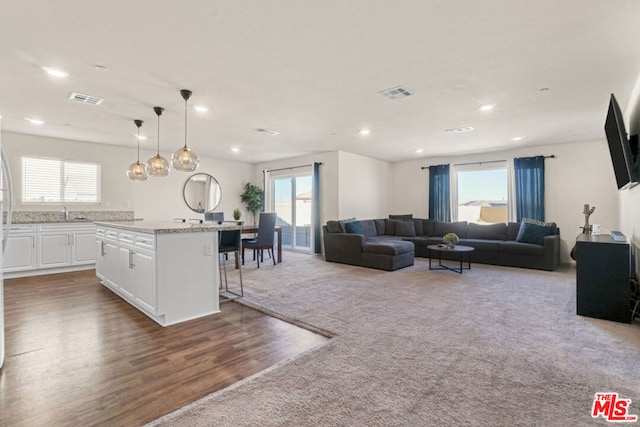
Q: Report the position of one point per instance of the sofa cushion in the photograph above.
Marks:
(442, 228)
(334, 227)
(380, 226)
(551, 225)
(401, 217)
(405, 229)
(369, 227)
(396, 247)
(417, 225)
(353, 227)
(482, 244)
(487, 231)
(390, 226)
(512, 230)
(515, 248)
(533, 233)
(427, 227)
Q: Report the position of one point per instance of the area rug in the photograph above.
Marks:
(495, 346)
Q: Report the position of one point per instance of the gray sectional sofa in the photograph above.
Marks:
(390, 244)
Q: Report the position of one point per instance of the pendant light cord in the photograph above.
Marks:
(158, 134)
(138, 145)
(185, 123)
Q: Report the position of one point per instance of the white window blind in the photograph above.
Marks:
(59, 181)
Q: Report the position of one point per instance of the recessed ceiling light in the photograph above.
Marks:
(235, 149)
(419, 150)
(200, 108)
(34, 121)
(55, 72)
(364, 131)
(487, 107)
(517, 138)
(140, 137)
(459, 130)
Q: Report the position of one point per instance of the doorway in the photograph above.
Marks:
(292, 203)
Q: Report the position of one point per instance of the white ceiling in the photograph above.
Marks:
(312, 70)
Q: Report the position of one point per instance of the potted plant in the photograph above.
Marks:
(253, 198)
(450, 239)
(237, 214)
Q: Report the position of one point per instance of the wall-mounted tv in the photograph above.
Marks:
(624, 152)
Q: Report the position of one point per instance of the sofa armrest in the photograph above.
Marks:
(343, 247)
(551, 245)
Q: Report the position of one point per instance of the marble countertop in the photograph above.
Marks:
(162, 227)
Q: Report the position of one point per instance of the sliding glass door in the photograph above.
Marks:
(292, 204)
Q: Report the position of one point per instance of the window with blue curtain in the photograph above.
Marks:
(529, 177)
(439, 194)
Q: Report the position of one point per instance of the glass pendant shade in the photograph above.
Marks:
(137, 171)
(157, 165)
(185, 159)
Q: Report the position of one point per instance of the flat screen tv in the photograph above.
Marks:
(624, 152)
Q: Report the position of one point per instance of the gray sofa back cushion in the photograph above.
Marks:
(401, 217)
(381, 226)
(442, 228)
(390, 227)
(405, 229)
(427, 227)
(487, 231)
(512, 230)
(417, 225)
(334, 227)
(369, 227)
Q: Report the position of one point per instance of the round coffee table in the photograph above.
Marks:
(459, 249)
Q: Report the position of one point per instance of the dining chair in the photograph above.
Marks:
(264, 239)
(229, 241)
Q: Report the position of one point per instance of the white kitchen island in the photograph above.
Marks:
(167, 270)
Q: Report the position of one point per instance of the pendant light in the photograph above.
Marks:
(137, 171)
(185, 159)
(158, 165)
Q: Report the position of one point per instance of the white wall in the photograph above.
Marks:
(117, 189)
(364, 186)
(153, 199)
(581, 173)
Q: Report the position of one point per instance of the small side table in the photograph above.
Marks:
(461, 250)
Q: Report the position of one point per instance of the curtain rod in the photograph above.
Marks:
(292, 167)
(553, 156)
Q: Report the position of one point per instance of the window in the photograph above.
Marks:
(483, 195)
(59, 181)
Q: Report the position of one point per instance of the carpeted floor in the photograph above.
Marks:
(495, 346)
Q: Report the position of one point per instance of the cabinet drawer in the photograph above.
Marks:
(22, 228)
(76, 226)
(146, 241)
(125, 238)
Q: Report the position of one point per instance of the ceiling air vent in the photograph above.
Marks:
(267, 131)
(85, 99)
(397, 92)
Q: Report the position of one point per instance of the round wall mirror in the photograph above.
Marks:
(202, 193)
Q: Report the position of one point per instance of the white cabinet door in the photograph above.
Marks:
(126, 282)
(21, 252)
(100, 264)
(54, 250)
(110, 265)
(83, 247)
(144, 278)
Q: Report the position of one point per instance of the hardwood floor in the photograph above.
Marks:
(76, 354)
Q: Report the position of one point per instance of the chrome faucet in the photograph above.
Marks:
(65, 211)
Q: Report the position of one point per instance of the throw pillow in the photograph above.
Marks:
(405, 229)
(535, 221)
(353, 227)
(533, 233)
(342, 222)
(404, 216)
